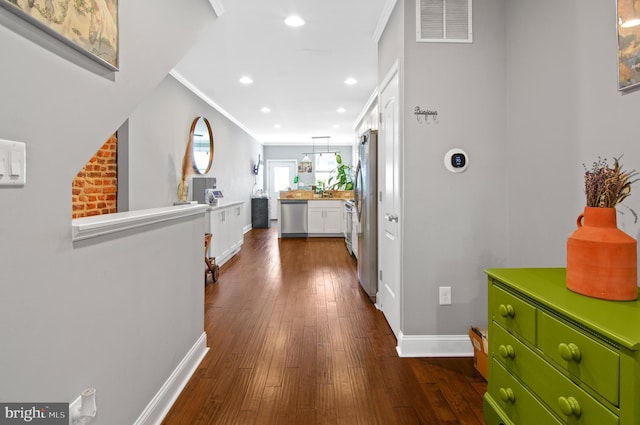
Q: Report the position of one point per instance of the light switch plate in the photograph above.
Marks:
(13, 163)
(445, 295)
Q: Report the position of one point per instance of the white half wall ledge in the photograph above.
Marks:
(100, 225)
(434, 346)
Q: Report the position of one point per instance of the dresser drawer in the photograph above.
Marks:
(514, 314)
(518, 404)
(551, 386)
(590, 361)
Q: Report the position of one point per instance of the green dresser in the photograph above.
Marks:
(556, 357)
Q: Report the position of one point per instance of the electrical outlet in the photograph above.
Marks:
(445, 295)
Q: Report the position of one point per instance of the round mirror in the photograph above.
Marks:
(201, 140)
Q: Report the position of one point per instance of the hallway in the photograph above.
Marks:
(294, 340)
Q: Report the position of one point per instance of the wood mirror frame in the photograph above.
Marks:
(189, 161)
(199, 140)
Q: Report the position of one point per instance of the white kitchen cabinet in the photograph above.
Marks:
(325, 218)
(225, 225)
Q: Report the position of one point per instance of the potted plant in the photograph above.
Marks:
(606, 187)
(341, 178)
(602, 259)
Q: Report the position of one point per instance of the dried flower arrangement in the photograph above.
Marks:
(605, 186)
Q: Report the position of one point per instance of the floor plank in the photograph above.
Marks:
(294, 340)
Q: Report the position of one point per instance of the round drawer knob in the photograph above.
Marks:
(569, 406)
(569, 352)
(506, 310)
(507, 395)
(506, 352)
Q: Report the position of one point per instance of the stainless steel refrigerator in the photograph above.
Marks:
(366, 187)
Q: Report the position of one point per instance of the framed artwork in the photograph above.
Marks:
(88, 26)
(628, 23)
(304, 167)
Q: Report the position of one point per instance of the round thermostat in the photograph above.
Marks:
(456, 160)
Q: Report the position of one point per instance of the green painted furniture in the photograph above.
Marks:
(557, 357)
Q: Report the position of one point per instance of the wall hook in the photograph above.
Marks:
(419, 113)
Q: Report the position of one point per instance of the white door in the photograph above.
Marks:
(389, 299)
(280, 178)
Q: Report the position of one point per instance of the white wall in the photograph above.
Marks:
(117, 315)
(453, 223)
(158, 135)
(564, 110)
(531, 100)
(284, 152)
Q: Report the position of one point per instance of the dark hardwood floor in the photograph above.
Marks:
(294, 340)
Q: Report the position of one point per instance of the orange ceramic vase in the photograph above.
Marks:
(601, 259)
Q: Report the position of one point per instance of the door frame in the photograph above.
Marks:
(391, 74)
(275, 213)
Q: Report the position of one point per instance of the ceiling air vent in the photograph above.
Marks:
(443, 21)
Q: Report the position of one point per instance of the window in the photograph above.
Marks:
(325, 163)
(281, 178)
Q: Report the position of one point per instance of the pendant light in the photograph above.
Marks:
(306, 158)
(314, 148)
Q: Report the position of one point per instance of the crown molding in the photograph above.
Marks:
(384, 18)
(372, 99)
(217, 7)
(175, 74)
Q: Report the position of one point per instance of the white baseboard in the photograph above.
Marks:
(434, 346)
(159, 406)
(228, 256)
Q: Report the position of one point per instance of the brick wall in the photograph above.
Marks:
(95, 188)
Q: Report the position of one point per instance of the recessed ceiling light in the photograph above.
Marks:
(265, 110)
(336, 126)
(246, 80)
(350, 81)
(294, 21)
(341, 110)
(276, 126)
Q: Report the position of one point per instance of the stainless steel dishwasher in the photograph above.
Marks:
(293, 218)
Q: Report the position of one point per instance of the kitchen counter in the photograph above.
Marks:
(310, 194)
(324, 217)
(225, 223)
(316, 199)
(224, 204)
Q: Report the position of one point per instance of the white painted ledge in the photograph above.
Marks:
(100, 225)
(224, 204)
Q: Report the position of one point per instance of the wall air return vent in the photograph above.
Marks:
(443, 21)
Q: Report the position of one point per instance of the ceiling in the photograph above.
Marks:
(297, 72)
